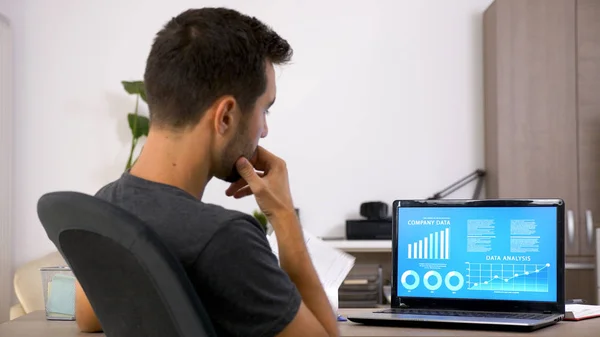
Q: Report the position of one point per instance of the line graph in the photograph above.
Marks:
(507, 277)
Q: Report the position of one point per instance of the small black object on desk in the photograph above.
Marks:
(374, 210)
(376, 226)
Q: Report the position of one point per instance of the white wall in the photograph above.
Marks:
(7, 7)
(383, 101)
(6, 149)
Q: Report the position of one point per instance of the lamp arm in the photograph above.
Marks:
(478, 174)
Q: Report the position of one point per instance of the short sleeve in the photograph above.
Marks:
(242, 287)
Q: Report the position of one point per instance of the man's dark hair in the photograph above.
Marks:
(203, 54)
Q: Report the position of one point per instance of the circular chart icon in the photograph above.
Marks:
(461, 281)
(432, 273)
(415, 283)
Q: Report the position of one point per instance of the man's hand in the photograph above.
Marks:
(272, 192)
(84, 314)
(270, 187)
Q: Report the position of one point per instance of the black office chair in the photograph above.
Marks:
(134, 284)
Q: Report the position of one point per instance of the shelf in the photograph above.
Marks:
(362, 246)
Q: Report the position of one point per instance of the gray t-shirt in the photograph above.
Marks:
(225, 254)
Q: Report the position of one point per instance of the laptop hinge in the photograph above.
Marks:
(547, 312)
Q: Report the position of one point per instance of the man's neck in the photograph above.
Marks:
(167, 159)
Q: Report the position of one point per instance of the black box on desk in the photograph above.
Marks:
(369, 229)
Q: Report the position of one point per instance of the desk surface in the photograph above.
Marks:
(35, 324)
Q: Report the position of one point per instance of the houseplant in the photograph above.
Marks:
(261, 218)
(138, 124)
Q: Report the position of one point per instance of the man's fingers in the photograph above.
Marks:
(235, 186)
(247, 171)
(262, 159)
(243, 192)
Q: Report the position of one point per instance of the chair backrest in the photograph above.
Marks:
(133, 282)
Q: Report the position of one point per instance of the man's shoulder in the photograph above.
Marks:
(160, 204)
(239, 263)
(104, 190)
(233, 218)
(184, 223)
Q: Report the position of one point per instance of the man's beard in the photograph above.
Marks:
(234, 174)
(239, 148)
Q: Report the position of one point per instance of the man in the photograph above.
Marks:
(209, 82)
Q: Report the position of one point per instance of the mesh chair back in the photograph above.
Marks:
(133, 282)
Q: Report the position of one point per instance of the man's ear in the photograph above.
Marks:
(225, 114)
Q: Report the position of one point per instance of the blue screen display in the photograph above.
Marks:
(495, 253)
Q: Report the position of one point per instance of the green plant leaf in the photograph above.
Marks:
(261, 218)
(135, 88)
(140, 127)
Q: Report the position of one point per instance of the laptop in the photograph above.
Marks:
(483, 264)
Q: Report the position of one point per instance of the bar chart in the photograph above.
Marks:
(435, 246)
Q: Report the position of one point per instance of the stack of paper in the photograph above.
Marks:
(61, 297)
(332, 265)
(577, 312)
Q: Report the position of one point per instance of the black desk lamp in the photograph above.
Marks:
(478, 174)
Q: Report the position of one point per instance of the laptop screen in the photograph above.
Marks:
(485, 253)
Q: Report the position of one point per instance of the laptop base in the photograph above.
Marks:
(452, 322)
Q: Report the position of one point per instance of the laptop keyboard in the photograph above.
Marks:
(463, 313)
